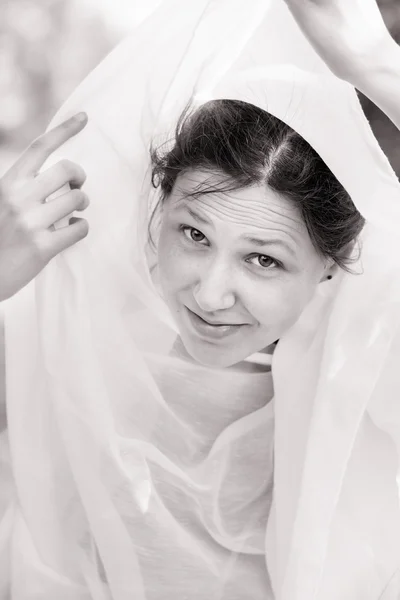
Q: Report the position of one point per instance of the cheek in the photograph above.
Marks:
(174, 265)
(279, 303)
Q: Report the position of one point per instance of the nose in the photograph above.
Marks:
(213, 290)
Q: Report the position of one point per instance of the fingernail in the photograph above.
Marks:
(81, 117)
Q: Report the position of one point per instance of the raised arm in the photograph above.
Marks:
(352, 39)
(28, 240)
(381, 83)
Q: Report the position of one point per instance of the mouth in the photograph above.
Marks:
(212, 330)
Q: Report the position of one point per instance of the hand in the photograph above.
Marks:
(28, 240)
(349, 35)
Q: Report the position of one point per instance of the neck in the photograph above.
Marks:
(249, 365)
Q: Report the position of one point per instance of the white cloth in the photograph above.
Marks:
(103, 448)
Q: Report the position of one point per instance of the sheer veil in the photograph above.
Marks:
(100, 439)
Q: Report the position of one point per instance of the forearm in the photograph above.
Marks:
(380, 81)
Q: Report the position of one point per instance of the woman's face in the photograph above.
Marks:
(236, 268)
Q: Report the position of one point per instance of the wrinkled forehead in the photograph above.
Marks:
(213, 199)
(326, 112)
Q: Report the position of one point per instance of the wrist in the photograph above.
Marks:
(382, 62)
(378, 78)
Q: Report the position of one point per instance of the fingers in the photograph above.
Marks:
(50, 181)
(31, 161)
(64, 238)
(45, 215)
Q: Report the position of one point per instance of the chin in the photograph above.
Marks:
(209, 355)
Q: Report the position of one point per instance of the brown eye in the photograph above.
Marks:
(265, 261)
(194, 234)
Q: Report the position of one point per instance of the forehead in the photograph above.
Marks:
(251, 208)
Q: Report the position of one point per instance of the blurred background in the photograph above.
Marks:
(48, 46)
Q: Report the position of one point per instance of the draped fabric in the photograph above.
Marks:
(129, 471)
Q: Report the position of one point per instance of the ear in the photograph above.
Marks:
(329, 272)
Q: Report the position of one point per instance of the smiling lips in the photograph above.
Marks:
(212, 330)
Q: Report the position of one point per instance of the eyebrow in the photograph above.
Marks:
(197, 217)
(248, 238)
(260, 242)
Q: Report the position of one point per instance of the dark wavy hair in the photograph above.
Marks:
(248, 146)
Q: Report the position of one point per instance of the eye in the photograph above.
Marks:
(194, 235)
(264, 261)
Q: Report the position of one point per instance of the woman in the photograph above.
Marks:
(152, 467)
